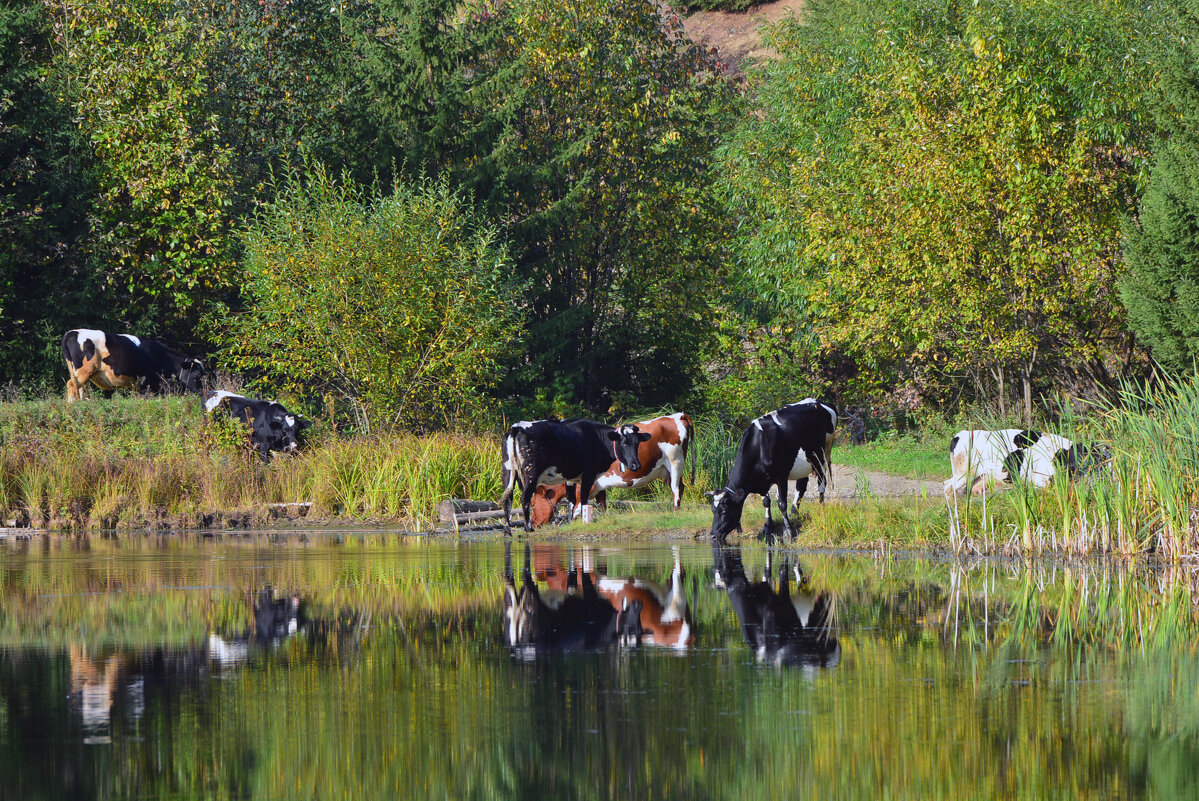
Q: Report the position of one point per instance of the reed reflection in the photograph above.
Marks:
(784, 626)
(581, 607)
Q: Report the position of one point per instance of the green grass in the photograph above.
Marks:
(901, 455)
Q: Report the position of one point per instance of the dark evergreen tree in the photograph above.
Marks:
(44, 275)
(1161, 287)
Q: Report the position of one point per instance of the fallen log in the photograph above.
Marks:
(449, 508)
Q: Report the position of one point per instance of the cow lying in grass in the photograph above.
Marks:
(981, 458)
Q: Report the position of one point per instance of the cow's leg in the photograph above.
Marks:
(675, 468)
(818, 467)
(801, 487)
(80, 378)
(585, 483)
(526, 501)
(768, 527)
(73, 388)
(788, 529)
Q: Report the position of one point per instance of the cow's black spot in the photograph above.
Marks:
(1026, 439)
(1012, 463)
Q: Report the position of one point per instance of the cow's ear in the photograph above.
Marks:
(613, 435)
(644, 437)
(302, 424)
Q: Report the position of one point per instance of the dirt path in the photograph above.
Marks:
(882, 485)
(736, 34)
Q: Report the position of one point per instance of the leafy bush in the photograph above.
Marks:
(394, 308)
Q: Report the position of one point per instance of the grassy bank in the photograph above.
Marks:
(160, 463)
(137, 463)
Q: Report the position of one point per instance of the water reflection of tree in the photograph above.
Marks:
(1006, 681)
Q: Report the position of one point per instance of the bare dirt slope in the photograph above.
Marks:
(736, 34)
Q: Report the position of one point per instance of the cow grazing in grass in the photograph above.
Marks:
(272, 426)
(981, 458)
(664, 442)
(553, 452)
(788, 444)
(124, 361)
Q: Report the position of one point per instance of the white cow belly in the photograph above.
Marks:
(802, 468)
(610, 480)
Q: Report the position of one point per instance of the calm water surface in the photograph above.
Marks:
(379, 667)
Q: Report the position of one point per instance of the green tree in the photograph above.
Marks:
(44, 190)
(939, 192)
(602, 175)
(397, 309)
(139, 87)
(1161, 288)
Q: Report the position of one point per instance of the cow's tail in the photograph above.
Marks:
(508, 464)
(828, 448)
(691, 446)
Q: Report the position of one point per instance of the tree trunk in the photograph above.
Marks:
(1002, 396)
(1027, 401)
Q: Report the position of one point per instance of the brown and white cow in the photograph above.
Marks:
(124, 361)
(663, 453)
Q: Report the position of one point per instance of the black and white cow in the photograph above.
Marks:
(788, 444)
(124, 361)
(272, 427)
(980, 458)
(557, 451)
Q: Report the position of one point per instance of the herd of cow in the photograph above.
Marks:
(580, 460)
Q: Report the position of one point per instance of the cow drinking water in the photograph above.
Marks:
(557, 451)
(124, 361)
(788, 444)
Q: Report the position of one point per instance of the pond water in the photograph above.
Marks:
(379, 667)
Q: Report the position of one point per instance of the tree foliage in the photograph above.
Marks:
(1161, 289)
(601, 173)
(44, 192)
(938, 188)
(396, 309)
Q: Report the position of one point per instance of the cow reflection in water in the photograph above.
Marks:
(275, 619)
(582, 609)
(116, 682)
(785, 626)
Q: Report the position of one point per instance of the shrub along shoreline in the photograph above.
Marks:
(130, 463)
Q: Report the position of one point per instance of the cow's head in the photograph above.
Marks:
(726, 512)
(625, 441)
(292, 428)
(193, 375)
